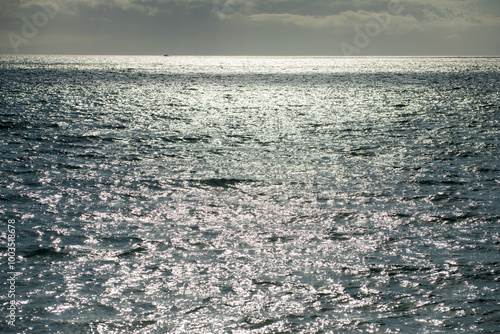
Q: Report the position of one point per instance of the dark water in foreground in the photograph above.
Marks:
(251, 195)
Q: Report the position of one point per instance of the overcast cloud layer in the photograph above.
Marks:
(251, 27)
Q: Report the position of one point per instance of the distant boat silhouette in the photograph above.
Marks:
(165, 55)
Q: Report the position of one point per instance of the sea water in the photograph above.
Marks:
(250, 194)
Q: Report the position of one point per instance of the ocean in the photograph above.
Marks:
(191, 194)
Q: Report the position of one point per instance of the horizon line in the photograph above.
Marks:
(250, 55)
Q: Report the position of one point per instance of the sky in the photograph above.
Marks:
(251, 27)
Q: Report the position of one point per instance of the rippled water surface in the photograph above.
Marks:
(251, 195)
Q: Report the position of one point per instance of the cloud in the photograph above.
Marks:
(22, 7)
(327, 12)
(145, 7)
(270, 24)
(346, 19)
(447, 17)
